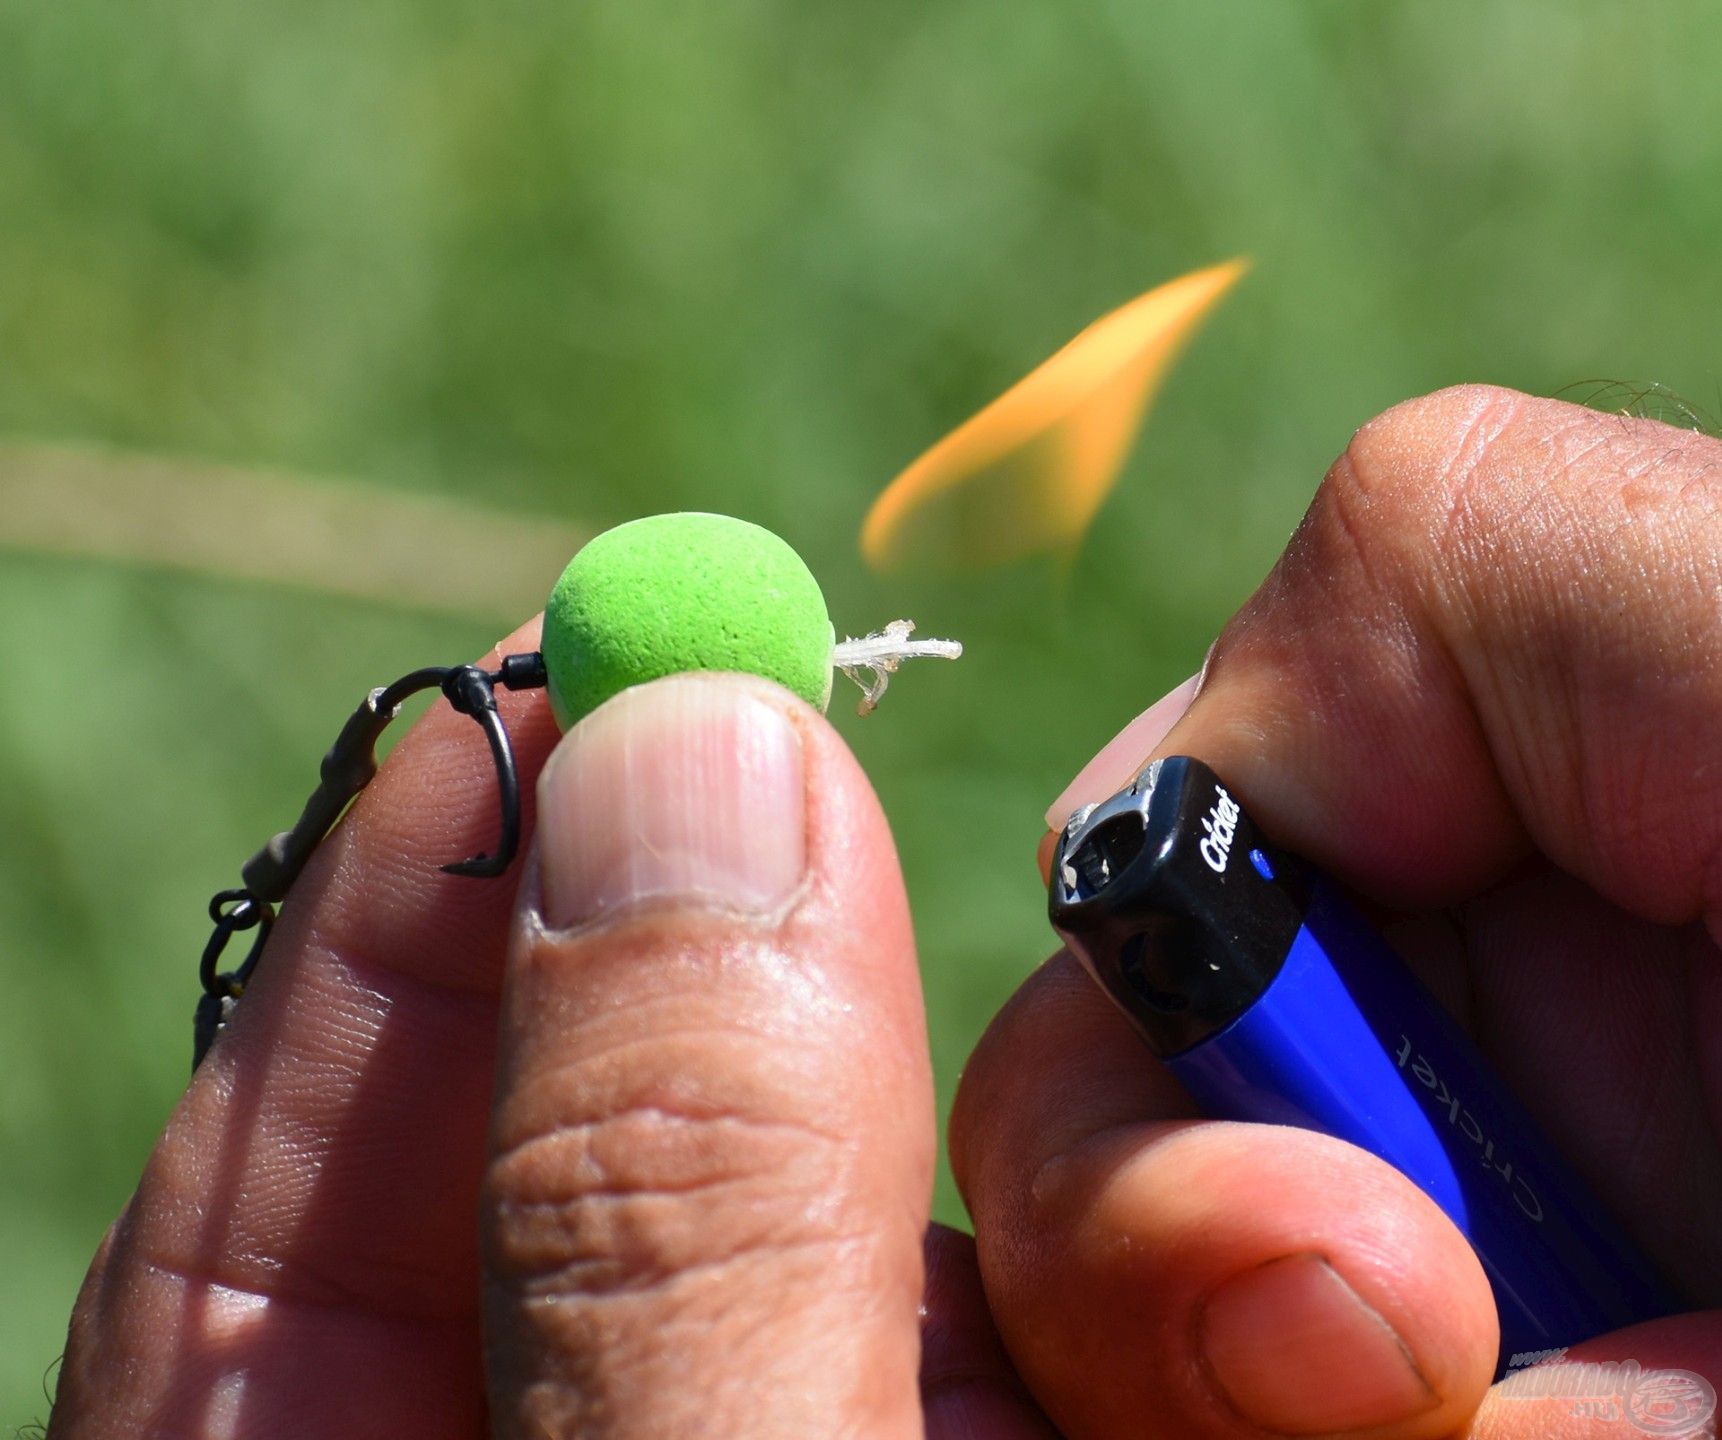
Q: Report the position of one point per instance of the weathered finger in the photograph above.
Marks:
(1499, 624)
(1154, 1275)
(712, 1147)
(300, 1256)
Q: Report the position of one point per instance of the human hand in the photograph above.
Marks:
(703, 1185)
(1483, 685)
(694, 1199)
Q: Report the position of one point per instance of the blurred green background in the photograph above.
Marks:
(586, 262)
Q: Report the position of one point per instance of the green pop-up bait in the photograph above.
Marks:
(671, 593)
(655, 597)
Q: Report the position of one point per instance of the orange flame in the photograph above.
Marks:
(1029, 472)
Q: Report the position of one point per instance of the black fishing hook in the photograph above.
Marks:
(346, 770)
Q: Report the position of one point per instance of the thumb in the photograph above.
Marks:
(712, 1141)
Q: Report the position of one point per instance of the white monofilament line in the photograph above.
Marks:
(879, 655)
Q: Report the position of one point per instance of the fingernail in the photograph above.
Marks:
(687, 789)
(1294, 1349)
(1123, 755)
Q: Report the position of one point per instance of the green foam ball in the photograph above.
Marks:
(681, 592)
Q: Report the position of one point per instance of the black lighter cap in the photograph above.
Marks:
(1175, 903)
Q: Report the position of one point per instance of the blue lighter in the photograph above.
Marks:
(1271, 999)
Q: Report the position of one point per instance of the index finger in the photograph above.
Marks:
(301, 1251)
(1499, 626)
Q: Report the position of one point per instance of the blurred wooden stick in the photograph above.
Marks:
(412, 551)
